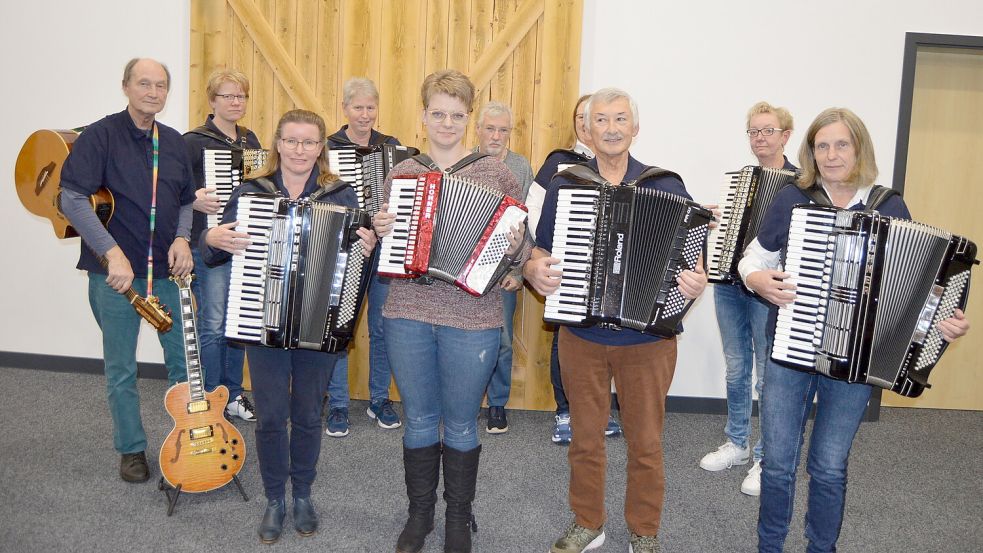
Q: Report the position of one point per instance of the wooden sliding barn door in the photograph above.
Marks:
(298, 53)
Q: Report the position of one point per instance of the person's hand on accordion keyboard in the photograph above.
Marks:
(225, 237)
(206, 200)
(955, 326)
(717, 214)
(383, 221)
(539, 272)
(772, 286)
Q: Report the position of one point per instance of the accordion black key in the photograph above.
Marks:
(871, 291)
(365, 169)
(225, 170)
(744, 199)
(450, 228)
(621, 249)
(301, 281)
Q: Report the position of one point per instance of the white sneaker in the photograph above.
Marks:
(241, 407)
(725, 457)
(752, 482)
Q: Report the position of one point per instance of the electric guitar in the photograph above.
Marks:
(37, 176)
(203, 451)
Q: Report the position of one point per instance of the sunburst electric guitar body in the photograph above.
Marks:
(204, 451)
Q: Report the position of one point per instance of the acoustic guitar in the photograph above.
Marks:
(203, 451)
(37, 176)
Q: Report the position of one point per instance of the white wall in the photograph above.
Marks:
(62, 64)
(694, 68)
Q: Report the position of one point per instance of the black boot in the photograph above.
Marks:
(272, 525)
(422, 469)
(460, 476)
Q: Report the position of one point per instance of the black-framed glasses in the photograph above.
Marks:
(767, 131)
(230, 97)
(307, 145)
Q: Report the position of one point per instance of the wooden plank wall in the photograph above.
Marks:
(298, 53)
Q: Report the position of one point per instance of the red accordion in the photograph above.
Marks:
(449, 228)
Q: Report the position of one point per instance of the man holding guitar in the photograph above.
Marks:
(145, 166)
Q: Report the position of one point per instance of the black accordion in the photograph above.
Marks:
(621, 249)
(301, 281)
(365, 169)
(871, 291)
(450, 228)
(744, 199)
(225, 170)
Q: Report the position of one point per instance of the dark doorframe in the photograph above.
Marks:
(912, 42)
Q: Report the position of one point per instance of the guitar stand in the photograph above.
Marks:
(173, 494)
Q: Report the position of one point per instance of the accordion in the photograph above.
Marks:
(301, 281)
(744, 199)
(450, 228)
(225, 170)
(620, 250)
(871, 291)
(365, 169)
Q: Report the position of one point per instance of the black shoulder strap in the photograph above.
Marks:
(380, 140)
(424, 159)
(267, 185)
(582, 174)
(327, 189)
(205, 131)
(573, 153)
(878, 195)
(817, 194)
(654, 173)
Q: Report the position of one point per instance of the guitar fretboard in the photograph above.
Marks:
(196, 383)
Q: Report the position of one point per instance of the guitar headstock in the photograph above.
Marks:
(183, 283)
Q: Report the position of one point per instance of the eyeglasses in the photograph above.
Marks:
(753, 133)
(308, 145)
(457, 117)
(230, 97)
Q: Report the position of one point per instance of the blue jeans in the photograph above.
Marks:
(788, 400)
(501, 378)
(743, 320)
(221, 360)
(120, 327)
(380, 373)
(288, 385)
(441, 373)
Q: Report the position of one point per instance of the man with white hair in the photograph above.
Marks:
(494, 126)
(145, 165)
(642, 365)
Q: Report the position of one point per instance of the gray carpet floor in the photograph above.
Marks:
(916, 484)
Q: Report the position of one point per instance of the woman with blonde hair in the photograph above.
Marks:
(442, 342)
(837, 160)
(287, 384)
